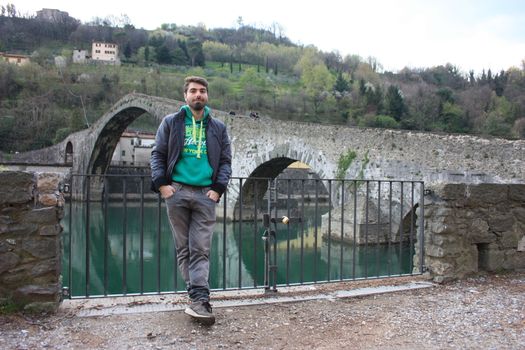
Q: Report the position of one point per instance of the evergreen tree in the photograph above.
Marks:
(395, 103)
(341, 85)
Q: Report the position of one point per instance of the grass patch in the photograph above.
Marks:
(7, 307)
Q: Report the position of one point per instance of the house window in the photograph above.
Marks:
(123, 153)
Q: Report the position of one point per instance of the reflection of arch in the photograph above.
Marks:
(408, 226)
(69, 153)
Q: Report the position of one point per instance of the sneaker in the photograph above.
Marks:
(201, 311)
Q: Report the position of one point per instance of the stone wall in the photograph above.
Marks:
(471, 228)
(31, 207)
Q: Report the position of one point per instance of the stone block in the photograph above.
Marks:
(435, 251)
(513, 260)
(5, 219)
(48, 200)
(48, 182)
(439, 227)
(16, 187)
(41, 216)
(452, 192)
(478, 232)
(485, 195)
(519, 214)
(36, 293)
(466, 263)
(521, 244)
(444, 240)
(41, 248)
(438, 267)
(8, 261)
(5, 247)
(50, 230)
(517, 193)
(500, 222)
(511, 239)
(44, 267)
(21, 229)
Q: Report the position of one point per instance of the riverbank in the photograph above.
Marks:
(487, 311)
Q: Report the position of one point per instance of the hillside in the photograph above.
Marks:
(249, 69)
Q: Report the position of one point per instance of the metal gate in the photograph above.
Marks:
(269, 233)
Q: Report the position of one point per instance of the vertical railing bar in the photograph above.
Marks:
(88, 228)
(366, 227)
(255, 231)
(288, 233)
(421, 227)
(239, 263)
(266, 239)
(390, 229)
(342, 230)
(274, 270)
(316, 227)
(378, 225)
(159, 213)
(70, 249)
(106, 234)
(401, 229)
(355, 230)
(329, 227)
(125, 234)
(142, 235)
(224, 213)
(411, 227)
(302, 232)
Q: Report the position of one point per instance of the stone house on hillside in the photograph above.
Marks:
(80, 56)
(14, 58)
(105, 52)
(52, 15)
(133, 148)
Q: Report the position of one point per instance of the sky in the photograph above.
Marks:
(470, 34)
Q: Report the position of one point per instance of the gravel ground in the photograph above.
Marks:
(485, 312)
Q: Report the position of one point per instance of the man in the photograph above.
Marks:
(191, 167)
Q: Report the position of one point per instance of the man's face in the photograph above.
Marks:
(196, 96)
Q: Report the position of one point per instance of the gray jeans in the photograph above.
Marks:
(192, 218)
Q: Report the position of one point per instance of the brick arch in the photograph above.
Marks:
(270, 166)
(108, 130)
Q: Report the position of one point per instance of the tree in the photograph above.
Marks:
(395, 103)
(453, 119)
(127, 50)
(194, 49)
(164, 55)
(315, 77)
(341, 85)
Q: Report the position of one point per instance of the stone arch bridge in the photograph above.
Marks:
(263, 147)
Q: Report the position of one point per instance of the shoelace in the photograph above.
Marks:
(207, 305)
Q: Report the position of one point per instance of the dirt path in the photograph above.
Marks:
(483, 312)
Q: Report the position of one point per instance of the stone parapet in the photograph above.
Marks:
(471, 228)
(31, 207)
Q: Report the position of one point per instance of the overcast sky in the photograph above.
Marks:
(471, 34)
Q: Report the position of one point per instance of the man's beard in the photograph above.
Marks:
(197, 105)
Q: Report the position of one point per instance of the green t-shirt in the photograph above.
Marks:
(193, 167)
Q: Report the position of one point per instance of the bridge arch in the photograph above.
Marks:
(106, 133)
(270, 166)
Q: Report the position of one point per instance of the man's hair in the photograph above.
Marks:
(194, 79)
